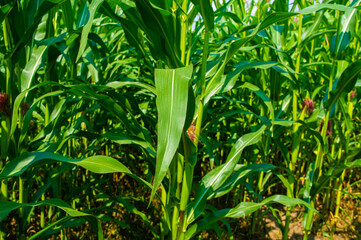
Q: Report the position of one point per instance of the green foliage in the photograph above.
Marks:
(204, 111)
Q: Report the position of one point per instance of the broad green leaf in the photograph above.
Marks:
(83, 14)
(160, 29)
(218, 176)
(68, 14)
(172, 97)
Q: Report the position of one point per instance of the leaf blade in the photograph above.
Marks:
(172, 98)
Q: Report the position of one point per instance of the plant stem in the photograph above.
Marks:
(187, 180)
(295, 134)
(203, 86)
(189, 166)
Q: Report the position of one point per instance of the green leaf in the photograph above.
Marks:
(118, 84)
(218, 176)
(126, 139)
(83, 14)
(68, 14)
(86, 29)
(6, 207)
(17, 103)
(160, 29)
(245, 208)
(322, 6)
(28, 115)
(335, 171)
(172, 97)
(347, 28)
(43, 9)
(241, 210)
(35, 61)
(112, 106)
(346, 83)
(228, 81)
(263, 96)
(236, 45)
(131, 29)
(206, 10)
(97, 164)
(238, 175)
(4, 11)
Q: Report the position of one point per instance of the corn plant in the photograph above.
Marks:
(214, 109)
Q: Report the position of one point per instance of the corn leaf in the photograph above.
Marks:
(346, 83)
(6, 207)
(172, 97)
(218, 176)
(86, 29)
(97, 164)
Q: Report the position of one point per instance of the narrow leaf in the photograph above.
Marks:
(97, 164)
(86, 29)
(218, 176)
(346, 83)
(206, 10)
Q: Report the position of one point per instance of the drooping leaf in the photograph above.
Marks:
(97, 164)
